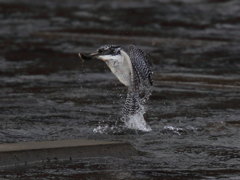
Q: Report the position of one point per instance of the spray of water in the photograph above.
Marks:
(133, 111)
(137, 121)
(132, 116)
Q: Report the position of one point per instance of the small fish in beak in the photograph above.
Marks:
(87, 56)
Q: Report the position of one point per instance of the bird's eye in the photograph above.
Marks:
(100, 50)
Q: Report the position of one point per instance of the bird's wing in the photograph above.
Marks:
(141, 65)
(142, 80)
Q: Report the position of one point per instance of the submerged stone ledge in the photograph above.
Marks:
(24, 153)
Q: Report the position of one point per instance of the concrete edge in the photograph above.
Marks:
(25, 153)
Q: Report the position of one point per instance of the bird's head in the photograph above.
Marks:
(116, 59)
(105, 53)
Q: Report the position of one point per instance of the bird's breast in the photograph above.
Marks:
(121, 70)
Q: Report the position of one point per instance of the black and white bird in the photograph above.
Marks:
(132, 68)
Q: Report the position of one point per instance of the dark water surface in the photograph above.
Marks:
(47, 93)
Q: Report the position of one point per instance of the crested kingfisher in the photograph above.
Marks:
(132, 68)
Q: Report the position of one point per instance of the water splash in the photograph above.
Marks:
(101, 129)
(132, 115)
(173, 129)
(109, 129)
(179, 130)
(137, 121)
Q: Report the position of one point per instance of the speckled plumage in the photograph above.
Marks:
(141, 66)
(142, 80)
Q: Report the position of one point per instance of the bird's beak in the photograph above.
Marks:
(88, 56)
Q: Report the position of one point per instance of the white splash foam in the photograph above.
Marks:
(173, 129)
(100, 129)
(137, 122)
